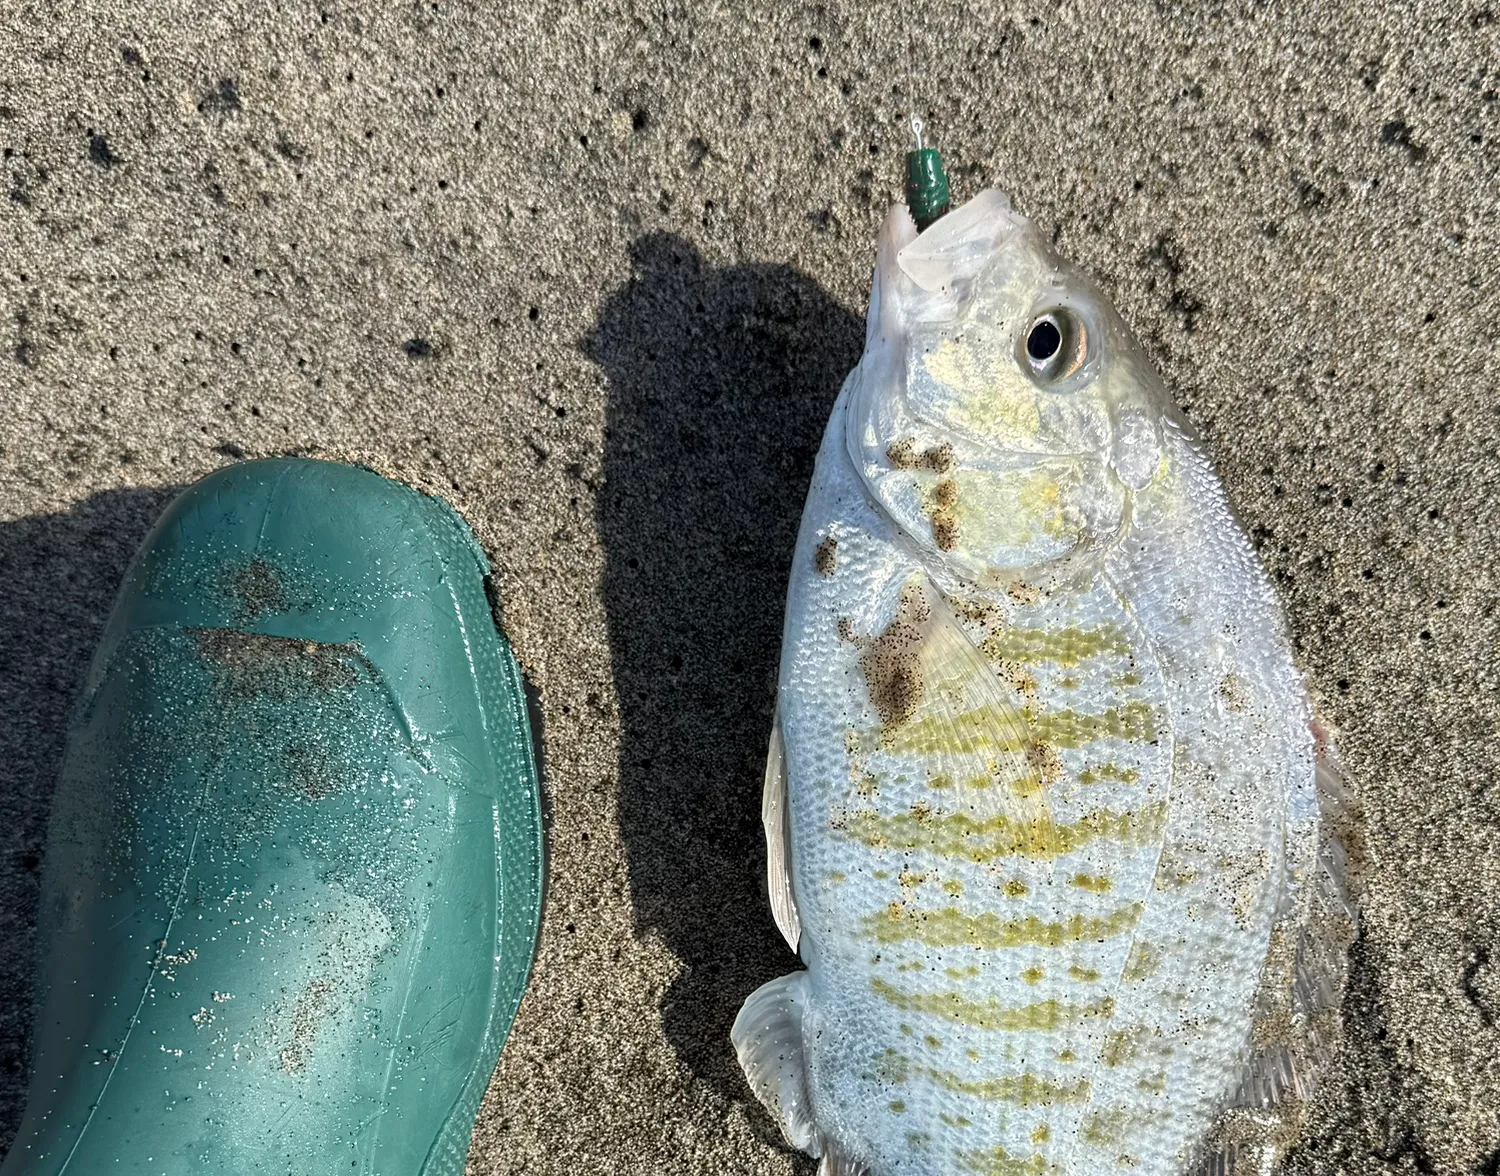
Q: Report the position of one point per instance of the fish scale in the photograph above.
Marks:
(1041, 785)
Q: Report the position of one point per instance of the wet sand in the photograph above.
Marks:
(595, 273)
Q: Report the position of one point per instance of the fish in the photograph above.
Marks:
(1050, 819)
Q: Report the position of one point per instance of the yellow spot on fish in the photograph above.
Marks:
(1109, 771)
(1092, 882)
(837, 878)
(954, 887)
(1142, 964)
(921, 811)
(1015, 888)
(1103, 1128)
(898, 1108)
(932, 1042)
(1154, 1083)
(913, 966)
(940, 782)
(1067, 1055)
(881, 875)
(1121, 1046)
(1087, 975)
(1041, 1135)
(1033, 975)
(985, 839)
(990, 1014)
(909, 878)
(954, 1120)
(962, 973)
(1126, 680)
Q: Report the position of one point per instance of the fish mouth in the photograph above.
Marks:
(956, 247)
(926, 276)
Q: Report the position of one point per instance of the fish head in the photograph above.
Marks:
(1002, 415)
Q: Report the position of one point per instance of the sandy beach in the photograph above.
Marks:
(594, 273)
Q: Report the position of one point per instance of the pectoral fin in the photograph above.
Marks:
(962, 724)
(776, 819)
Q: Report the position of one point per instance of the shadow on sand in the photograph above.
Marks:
(720, 383)
(59, 575)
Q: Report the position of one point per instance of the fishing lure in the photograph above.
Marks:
(1046, 816)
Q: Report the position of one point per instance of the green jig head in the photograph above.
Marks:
(927, 193)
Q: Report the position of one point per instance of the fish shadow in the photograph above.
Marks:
(720, 384)
(58, 577)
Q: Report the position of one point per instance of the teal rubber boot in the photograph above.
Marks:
(295, 867)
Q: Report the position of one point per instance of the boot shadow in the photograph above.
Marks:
(61, 573)
(720, 384)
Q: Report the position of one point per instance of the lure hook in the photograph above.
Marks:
(927, 194)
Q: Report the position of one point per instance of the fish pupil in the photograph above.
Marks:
(1044, 341)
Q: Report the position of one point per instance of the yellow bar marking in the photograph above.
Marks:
(988, 729)
(1067, 647)
(999, 1162)
(1033, 975)
(988, 839)
(990, 1014)
(1026, 1088)
(954, 928)
(1142, 964)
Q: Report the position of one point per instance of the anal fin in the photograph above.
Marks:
(777, 821)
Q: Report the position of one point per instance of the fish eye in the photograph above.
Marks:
(1056, 345)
